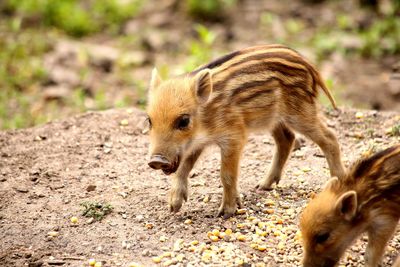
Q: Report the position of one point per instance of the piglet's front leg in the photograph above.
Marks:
(379, 233)
(179, 187)
(230, 158)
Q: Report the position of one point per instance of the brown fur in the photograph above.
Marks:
(367, 199)
(397, 262)
(263, 87)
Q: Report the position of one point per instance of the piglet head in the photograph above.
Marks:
(327, 225)
(173, 116)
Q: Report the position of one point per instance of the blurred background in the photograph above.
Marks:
(63, 57)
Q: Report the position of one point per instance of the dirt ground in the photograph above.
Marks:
(47, 171)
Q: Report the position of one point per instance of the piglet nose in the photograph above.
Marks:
(159, 162)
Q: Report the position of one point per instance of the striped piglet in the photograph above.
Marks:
(263, 87)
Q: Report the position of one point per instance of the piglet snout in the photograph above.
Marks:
(159, 162)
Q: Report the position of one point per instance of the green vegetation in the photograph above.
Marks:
(21, 72)
(74, 17)
(200, 50)
(96, 210)
(380, 37)
(30, 28)
(395, 131)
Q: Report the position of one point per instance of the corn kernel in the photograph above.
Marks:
(98, 264)
(194, 242)
(228, 231)
(214, 238)
(124, 122)
(240, 225)
(215, 232)
(92, 262)
(74, 219)
(269, 202)
(156, 259)
(241, 211)
(261, 225)
(239, 261)
(167, 254)
(241, 238)
(264, 233)
(188, 221)
(253, 245)
(277, 233)
(359, 115)
(262, 247)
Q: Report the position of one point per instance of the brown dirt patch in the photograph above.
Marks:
(45, 173)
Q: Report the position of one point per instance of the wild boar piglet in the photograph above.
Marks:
(367, 200)
(263, 87)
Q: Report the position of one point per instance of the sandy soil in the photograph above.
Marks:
(47, 171)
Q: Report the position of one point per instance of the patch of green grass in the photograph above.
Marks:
(74, 17)
(200, 50)
(294, 26)
(96, 210)
(382, 37)
(21, 73)
(347, 36)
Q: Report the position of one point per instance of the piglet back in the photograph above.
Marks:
(378, 175)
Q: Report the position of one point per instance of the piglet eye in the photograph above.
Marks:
(182, 122)
(321, 238)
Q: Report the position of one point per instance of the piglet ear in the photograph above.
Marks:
(330, 183)
(203, 86)
(346, 205)
(155, 79)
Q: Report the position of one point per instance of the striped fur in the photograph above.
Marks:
(373, 187)
(262, 64)
(268, 87)
(376, 177)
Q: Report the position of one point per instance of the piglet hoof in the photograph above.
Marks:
(226, 212)
(176, 199)
(264, 187)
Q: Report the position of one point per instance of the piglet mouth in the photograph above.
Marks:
(172, 167)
